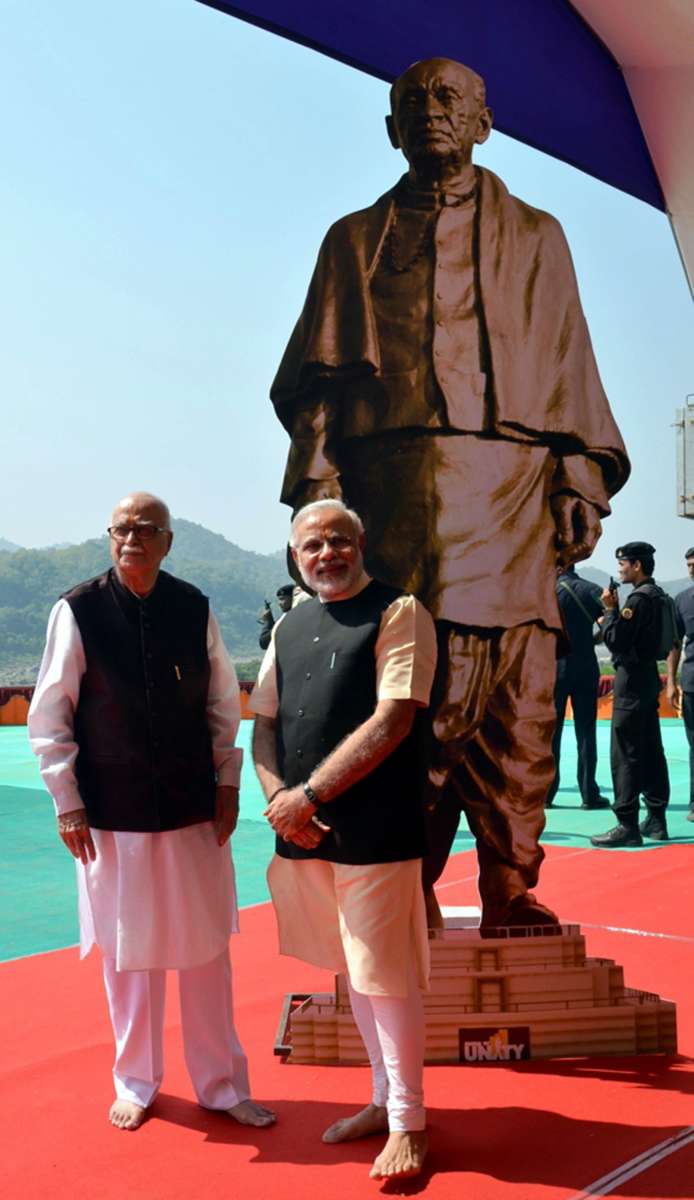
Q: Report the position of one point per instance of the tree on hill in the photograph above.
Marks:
(237, 581)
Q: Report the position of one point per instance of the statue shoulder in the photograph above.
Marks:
(362, 223)
(530, 217)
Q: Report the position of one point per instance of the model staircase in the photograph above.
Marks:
(510, 994)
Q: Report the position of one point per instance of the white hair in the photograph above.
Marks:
(324, 506)
(148, 498)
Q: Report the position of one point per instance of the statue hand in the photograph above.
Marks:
(578, 527)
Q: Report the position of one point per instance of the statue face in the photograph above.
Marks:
(436, 114)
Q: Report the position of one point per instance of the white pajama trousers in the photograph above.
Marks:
(392, 1029)
(214, 1056)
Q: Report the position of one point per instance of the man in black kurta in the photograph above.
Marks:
(134, 717)
(336, 750)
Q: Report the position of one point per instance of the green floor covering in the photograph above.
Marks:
(37, 885)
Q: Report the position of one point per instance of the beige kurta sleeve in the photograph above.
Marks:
(405, 659)
(405, 652)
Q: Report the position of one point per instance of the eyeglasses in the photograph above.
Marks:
(144, 531)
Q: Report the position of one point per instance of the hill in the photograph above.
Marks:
(237, 581)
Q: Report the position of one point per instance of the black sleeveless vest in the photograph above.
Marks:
(145, 754)
(326, 679)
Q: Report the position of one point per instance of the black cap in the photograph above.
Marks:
(689, 553)
(285, 590)
(635, 550)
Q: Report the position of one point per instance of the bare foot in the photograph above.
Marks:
(124, 1114)
(250, 1113)
(372, 1119)
(402, 1156)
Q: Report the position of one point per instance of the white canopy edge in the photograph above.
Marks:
(653, 41)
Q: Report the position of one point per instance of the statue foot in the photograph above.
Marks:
(522, 910)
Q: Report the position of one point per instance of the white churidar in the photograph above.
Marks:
(392, 1030)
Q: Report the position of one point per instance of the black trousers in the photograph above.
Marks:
(688, 715)
(583, 693)
(637, 757)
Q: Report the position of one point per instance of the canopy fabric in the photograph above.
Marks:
(605, 85)
(654, 45)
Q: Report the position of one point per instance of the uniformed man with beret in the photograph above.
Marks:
(632, 635)
(681, 695)
(285, 599)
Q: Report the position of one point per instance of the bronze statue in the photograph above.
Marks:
(441, 379)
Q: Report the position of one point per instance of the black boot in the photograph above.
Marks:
(614, 839)
(654, 827)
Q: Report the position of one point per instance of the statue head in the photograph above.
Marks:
(438, 113)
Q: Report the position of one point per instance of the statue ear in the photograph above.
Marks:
(392, 132)
(484, 125)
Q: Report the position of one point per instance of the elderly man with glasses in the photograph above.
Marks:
(134, 719)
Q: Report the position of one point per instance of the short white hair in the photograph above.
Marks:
(151, 501)
(324, 506)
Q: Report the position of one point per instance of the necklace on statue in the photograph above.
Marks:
(391, 254)
(391, 251)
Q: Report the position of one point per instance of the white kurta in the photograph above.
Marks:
(149, 900)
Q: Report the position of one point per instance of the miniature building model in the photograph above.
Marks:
(521, 993)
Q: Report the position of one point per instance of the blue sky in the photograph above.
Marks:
(168, 174)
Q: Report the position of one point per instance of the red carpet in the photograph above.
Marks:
(536, 1129)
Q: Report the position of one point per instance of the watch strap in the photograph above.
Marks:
(310, 794)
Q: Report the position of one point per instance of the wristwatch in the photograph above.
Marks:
(310, 794)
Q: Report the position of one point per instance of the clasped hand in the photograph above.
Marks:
(578, 527)
(291, 815)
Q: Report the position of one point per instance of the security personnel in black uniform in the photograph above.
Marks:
(266, 620)
(681, 696)
(636, 751)
(577, 680)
